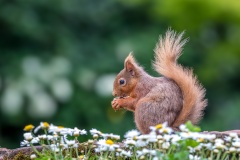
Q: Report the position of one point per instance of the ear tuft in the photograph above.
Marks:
(130, 58)
(130, 64)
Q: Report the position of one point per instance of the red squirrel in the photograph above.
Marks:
(175, 98)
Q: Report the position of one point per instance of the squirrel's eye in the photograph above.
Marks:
(121, 81)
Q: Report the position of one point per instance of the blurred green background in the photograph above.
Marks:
(59, 58)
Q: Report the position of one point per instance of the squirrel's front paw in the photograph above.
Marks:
(116, 103)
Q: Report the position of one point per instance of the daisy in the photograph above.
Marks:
(130, 142)
(77, 132)
(219, 146)
(132, 134)
(24, 143)
(209, 145)
(28, 128)
(218, 140)
(192, 157)
(209, 137)
(110, 136)
(126, 153)
(42, 137)
(175, 139)
(105, 145)
(183, 128)
(70, 143)
(166, 130)
(43, 125)
(236, 144)
(33, 156)
(28, 136)
(145, 152)
(141, 143)
(228, 138)
(232, 149)
(94, 131)
(35, 140)
(233, 135)
(167, 137)
(165, 145)
(53, 128)
(54, 148)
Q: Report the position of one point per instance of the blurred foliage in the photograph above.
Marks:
(59, 58)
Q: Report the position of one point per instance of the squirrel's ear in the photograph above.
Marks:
(130, 65)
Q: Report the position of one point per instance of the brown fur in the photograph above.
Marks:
(174, 98)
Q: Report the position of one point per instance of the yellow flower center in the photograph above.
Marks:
(81, 157)
(200, 140)
(60, 127)
(28, 127)
(165, 130)
(135, 138)
(159, 126)
(109, 141)
(45, 125)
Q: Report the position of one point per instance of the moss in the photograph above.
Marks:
(19, 156)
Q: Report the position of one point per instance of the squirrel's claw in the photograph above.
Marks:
(116, 104)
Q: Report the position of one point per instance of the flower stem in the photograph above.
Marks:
(35, 150)
(218, 155)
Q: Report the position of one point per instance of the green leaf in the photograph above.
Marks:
(191, 143)
(191, 127)
(188, 143)
(181, 155)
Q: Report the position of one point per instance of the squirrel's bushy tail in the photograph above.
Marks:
(167, 52)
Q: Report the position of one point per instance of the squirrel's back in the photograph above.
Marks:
(167, 52)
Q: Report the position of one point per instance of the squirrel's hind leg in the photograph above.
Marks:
(151, 112)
